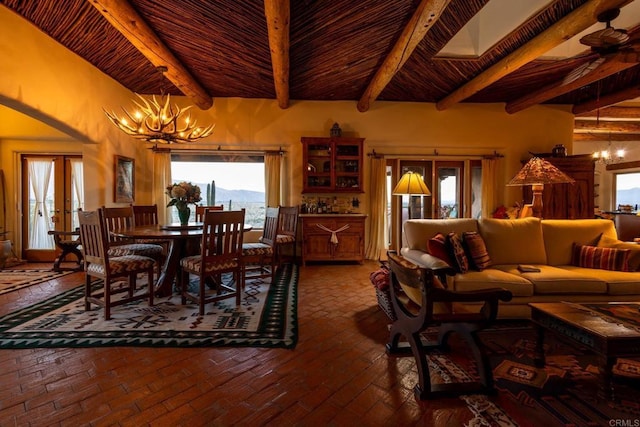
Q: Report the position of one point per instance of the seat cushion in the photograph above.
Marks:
(282, 239)
(559, 280)
(493, 278)
(121, 265)
(256, 249)
(193, 264)
(143, 249)
(618, 282)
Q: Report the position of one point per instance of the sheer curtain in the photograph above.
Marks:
(77, 190)
(377, 208)
(161, 180)
(489, 185)
(40, 178)
(272, 171)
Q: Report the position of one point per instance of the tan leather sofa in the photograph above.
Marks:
(546, 244)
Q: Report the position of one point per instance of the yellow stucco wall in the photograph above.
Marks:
(46, 81)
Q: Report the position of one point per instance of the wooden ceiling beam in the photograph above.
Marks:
(278, 14)
(606, 137)
(427, 13)
(131, 25)
(603, 126)
(564, 29)
(612, 112)
(609, 67)
(610, 99)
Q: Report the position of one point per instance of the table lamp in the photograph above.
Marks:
(536, 173)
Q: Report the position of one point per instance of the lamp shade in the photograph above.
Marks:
(411, 184)
(539, 171)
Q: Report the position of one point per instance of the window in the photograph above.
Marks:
(628, 189)
(237, 181)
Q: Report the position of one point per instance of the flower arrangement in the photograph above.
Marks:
(182, 194)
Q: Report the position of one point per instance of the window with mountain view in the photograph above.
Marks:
(237, 181)
(628, 189)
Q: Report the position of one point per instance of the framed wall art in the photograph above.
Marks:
(124, 174)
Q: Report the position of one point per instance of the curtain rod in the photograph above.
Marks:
(217, 149)
(435, 153)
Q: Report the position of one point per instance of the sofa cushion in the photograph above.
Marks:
(418, 231)
(423, 259)
(560, 234)
(477, 249)
(618, 282)
(513, 241)
(557, 280)
(604, 258)
(634, 250)
(457, 252)
(493, 278)
(437, 246)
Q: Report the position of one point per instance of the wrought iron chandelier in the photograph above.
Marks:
(157, 121)
(609, 156)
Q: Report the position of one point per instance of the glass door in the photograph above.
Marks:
(447, 194)
(52, 193)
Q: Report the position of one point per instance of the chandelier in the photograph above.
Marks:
(157, 121)
(609, 156)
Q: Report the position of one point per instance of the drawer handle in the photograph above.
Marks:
(334, 233)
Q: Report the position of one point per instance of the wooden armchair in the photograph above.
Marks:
(439, 309)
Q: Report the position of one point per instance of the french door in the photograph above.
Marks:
(52, 193)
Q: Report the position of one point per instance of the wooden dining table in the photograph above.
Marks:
(183, 241)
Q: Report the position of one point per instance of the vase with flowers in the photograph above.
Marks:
(182, 194)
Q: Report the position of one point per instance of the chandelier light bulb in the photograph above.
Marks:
(620, 154)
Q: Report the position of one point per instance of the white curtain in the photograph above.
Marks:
(161, 180)
(489, 186)
(378, 209)
(272, 172)
(77, 190)
(39, 219)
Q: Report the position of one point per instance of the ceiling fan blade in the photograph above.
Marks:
(583, 70)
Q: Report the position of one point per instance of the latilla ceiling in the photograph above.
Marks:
(364, 51)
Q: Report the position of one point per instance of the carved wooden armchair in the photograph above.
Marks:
(439, 309)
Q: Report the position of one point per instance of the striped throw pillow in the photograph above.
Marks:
(477, 249)
(603, 258)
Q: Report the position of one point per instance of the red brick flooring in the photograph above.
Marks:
(337, 375)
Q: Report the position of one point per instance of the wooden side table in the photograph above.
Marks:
(67, 246)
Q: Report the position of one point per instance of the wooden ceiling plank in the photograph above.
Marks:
(131, 25)
(603, 126)
(611, 112)
(611, 66)
(606, 137)
(610, 99)
(573, 23)
(278, 14)
(426, 15)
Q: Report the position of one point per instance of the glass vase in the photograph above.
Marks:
(183, 215)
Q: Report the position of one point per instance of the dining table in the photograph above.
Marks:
(183, 241)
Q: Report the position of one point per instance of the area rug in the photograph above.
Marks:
(563, 393)
(11, 280)
(267, 317)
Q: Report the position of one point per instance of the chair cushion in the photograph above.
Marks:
(143, 249)
(603, 258)
(256, 249)
(285, 238)
(477, 250)
(122, 264)
(193, 264)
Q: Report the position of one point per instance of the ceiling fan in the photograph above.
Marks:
(608, 44)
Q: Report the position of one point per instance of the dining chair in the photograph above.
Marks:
(287, 232)
(201, 209)
(148, 215)
(259, 258)
(123, 217)
(99, 264)
(220, 253)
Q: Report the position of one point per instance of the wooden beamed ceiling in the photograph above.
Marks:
(341, 50)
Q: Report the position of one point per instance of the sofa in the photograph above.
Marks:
(566, 253)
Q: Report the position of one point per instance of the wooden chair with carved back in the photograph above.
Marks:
(201, 209)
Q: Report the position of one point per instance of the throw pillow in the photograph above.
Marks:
(603, 258)
(634, 250)
(380, 278)
(437, 246)
(458, 253)
(477, 249)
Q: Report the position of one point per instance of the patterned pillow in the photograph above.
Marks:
(603, 258)
(458, 253)
(380, 278)
(437, 246)
(477, 249)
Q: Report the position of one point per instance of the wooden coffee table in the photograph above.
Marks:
(607, 329)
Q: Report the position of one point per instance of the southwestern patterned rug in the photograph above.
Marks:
(267, 317)
(563, 393)
(11, 280)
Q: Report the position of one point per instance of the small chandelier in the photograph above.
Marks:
(157, 121)
(608, 156)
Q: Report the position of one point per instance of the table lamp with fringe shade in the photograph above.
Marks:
(536, 173)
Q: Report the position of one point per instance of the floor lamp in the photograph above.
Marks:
(411, 184)
(536, 173)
